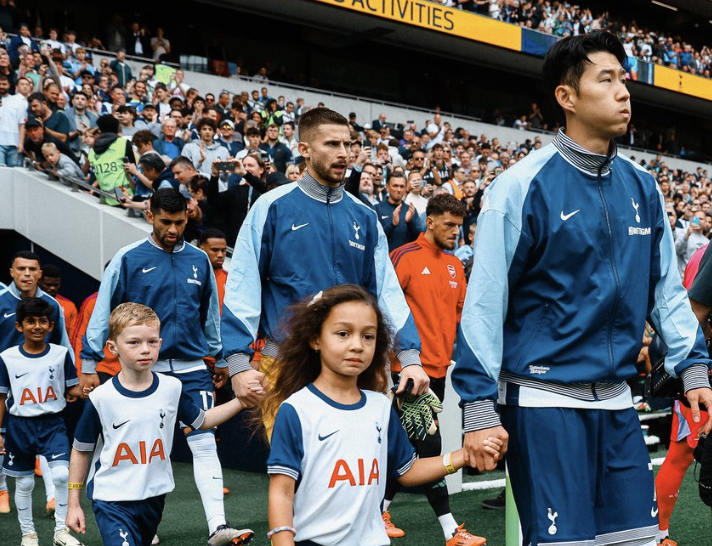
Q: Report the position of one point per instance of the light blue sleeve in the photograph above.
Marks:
(672, 315)
(242, 306)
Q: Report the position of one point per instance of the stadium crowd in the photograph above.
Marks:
(567, 19)
(132, 136)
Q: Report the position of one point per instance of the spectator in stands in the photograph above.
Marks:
(80, 119)
(206, 150)
(22, 41)
(400, 221)
(168, 144)
(7, 70)
(121, 69)
(289, 138)
(130, 125)
(35, 137)
(138, 96)
(51, 283)
(138, 41)
(149, 118)
(692, 239)
(55, 124)
(278, 151)
(176, 85)
(108, 156)
(198, 217)
(158, 174)
(229, 138)
(60, 165)
(183, 170)
(232, 205)
(12, 125)
(414, 197)
(254, 139)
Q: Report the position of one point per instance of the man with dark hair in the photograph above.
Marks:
(315, 232)
(433, 282)
(35, 137)
(206, 150)
(176, 280)
(401, 223)
(278, 152)
(159, 176)
(573, 254)
(55, 124)
(80, 119)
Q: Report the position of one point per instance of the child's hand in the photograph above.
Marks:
(75, 519)
(492, 446)
(2, 446)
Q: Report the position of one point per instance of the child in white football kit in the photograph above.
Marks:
(35, 377)
(335, 431)
(128, 423)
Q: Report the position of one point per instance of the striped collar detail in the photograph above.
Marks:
(315, 190)
(581, 158)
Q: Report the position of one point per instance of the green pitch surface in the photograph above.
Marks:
(184, 521)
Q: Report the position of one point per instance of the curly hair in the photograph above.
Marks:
(298, 364)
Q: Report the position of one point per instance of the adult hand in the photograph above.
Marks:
(476, 455)
(202, 153)
(249, 387)
(363, 155)
(421, 381)
(697, 397)
(87, 383)
(409, 213)
(395, 220)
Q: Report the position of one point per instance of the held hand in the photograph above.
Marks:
(87, 383)
(2, 446)
(421, 381)
(395, 219)
(697, 397)
(479, 447)
(249, 387)
(75, 519)
(410, 213)
(220, 378)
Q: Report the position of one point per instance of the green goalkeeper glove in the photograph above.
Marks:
(417, 414)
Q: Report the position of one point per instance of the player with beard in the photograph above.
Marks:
(302, 238)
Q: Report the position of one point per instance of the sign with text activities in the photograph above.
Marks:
(432, 16)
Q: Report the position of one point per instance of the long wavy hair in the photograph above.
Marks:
(298, 364)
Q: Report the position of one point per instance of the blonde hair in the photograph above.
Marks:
(49, 148)
(131, 314)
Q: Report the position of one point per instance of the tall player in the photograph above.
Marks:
(573, 254)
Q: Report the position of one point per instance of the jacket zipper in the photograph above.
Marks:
(615, 271)
(331, 231)
(175, 304)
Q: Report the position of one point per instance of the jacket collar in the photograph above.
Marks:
(180, 245)
(581, 158)
(15, 291)
(315, 190)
